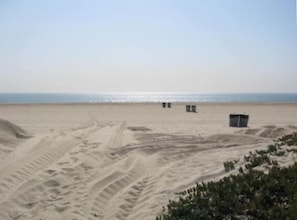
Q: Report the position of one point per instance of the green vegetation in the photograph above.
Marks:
(230, 165)
(290, 139)
(251, 194)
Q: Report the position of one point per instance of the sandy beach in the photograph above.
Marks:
(121, 161)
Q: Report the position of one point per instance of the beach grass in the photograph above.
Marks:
(253, 193)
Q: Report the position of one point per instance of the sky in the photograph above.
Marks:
(196, 46)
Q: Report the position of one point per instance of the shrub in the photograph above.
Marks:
(271, 148)
(250, 195)
(254, 194)
(230, 165)
(258, 161)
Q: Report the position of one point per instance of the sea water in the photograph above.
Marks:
(27, 98)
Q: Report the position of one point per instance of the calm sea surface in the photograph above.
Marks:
(144, 97)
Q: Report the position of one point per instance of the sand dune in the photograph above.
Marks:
(11, 136)
(119, 161)
(11, 131)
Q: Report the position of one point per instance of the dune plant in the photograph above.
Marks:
(251, 194)
(230, 165)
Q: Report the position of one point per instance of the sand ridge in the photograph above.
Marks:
(115, 162)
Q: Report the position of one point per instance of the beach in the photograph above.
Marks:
(121, 161)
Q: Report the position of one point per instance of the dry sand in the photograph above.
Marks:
(120, 161)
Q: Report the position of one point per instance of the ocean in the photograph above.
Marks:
(26, 98)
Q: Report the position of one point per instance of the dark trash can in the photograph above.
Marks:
(193, 108)
(238, 120)
(164, 104)
(188, 108)
(169, 105)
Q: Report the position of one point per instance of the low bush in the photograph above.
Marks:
(230, 165)
(248, 195)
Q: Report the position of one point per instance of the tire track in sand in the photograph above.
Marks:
(105, 190)
(47, 151)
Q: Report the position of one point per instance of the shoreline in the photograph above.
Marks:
(152, 103)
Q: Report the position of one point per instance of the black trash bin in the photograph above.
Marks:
(238, 120)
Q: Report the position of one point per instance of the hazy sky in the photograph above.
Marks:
(203, 46)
